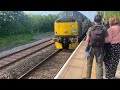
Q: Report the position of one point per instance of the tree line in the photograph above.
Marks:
(108, 14)
(17, 22)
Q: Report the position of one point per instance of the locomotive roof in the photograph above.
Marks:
(71, 16)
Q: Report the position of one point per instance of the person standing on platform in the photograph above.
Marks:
(95, 37)
(112, 54)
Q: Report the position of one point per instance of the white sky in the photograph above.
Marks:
(89, 14)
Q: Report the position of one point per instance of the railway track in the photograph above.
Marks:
(17, 56)
(40, 63)
(49, 67)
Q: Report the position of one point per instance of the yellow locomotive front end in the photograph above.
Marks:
(66, 35)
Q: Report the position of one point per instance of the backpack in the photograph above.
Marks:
(97, 36)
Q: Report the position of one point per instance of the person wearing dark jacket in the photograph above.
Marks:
(97, 51)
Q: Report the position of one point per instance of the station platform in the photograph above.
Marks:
(76, 65)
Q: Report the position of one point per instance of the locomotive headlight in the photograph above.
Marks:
(56, 39)
(73, 40)
(65, 31)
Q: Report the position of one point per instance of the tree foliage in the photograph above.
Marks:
(17, 22)
(108, 14)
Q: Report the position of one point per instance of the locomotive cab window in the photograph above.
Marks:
(62, 15)
(69, 14)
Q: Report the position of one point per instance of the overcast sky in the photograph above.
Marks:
(89, 14)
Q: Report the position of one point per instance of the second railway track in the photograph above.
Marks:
(16, 56)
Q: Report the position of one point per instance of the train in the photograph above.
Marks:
(69, 28)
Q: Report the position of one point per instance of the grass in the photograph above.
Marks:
(7, 42)
(16, 39)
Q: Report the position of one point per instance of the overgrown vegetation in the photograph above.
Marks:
(15, 39)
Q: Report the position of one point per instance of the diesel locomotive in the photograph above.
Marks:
(69, 28)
